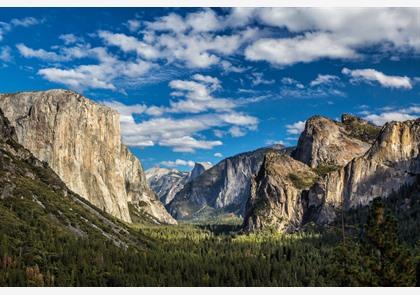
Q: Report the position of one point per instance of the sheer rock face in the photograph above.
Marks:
(166, 182)
(198, 169)
(81, 142)
(325, 141)
(225, 186)
(393, 160)
(275, 196)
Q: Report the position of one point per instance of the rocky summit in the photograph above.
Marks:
(391, 162)
(342, 165)
(327, 142)
(81, 142)
(275, 196)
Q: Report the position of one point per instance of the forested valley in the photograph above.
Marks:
(379, 247)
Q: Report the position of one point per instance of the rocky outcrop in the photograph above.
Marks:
(166, 182)
(392, 161)
(275, 196)
(224, 188)
(199, 168)
(81, 141)
(368, 162)
(327, 142)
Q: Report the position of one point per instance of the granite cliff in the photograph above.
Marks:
(81, 142)
(347, 164)
(34, 200)
(275, 196)
(391, 162)
(166, 183)
(224, 188)
(328, 142)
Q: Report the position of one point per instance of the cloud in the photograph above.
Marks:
(205, 20)
(64, 54)
(383, 118)
(129, 44)
(295, 128)
(27, 52)
(192, 40)
(133, 25)
(293, 82)
(183, 133)
(228, 67)
(273, 142)
(79, 78)
(171, 22)
(103, 75)
(324, 79)
(17, 22)
(326, 33)
(307, 48)
(5, 54)
(69, 38)
(198, 95)
(189, 144)
(235, 131)
(322, 86)
(393, 114)
(177, 162)
(195, 50)
(371, 75)
(218, 155)
(24, 22)
(257, 79)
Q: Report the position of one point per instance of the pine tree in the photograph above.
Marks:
(390, 261)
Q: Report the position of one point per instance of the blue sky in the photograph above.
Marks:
(205, 84)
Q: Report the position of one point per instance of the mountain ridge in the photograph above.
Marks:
(393, 157)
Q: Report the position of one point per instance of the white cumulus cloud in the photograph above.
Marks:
(295, 128)
(178, 162)
(371, 75)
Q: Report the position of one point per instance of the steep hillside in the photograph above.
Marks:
(81, 141)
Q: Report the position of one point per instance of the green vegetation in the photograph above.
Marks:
(302, 181)
(324, 169)
(362, 130)
(379, 258)
(36, 253)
